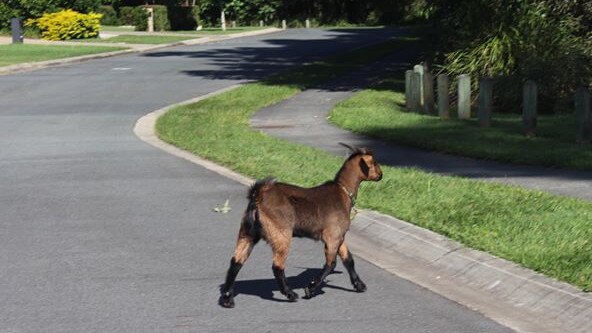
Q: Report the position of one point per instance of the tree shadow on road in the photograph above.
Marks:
(277, 55)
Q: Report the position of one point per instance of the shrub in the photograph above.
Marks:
(6, 13)
(161, 18)
(182, 18)
(67, 24)
(139, 18)
(126, 15)
(109, 16)
(82, 6)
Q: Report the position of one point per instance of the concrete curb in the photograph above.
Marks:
(30, 66)
(503, 291)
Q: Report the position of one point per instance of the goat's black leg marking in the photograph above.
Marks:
(348, 262)
(282, 282)
(315, 284)
(227, 297)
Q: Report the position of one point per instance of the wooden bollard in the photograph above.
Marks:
(443, 98)
(415, 88)
(420, 69)
(464, 96)
(529, 108)
(583, 115)
(485, 102)
(428, 93)
(408, 74)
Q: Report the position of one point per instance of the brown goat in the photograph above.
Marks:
(276, 212)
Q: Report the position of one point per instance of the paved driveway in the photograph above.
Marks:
(102, 232)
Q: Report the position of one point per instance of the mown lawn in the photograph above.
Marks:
(138, 39)
(547, 233)
(21, 53)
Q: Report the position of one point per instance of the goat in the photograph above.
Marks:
(277, 212)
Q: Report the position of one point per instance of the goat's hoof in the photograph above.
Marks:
(359, 286)
(309, 291)
(292, 296)
(226, 301)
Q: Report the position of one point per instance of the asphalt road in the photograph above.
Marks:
(100, 232)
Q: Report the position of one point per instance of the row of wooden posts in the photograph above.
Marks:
(261, 23)
(419, 97)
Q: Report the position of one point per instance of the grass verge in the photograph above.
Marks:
(20, 53)
(379, 112)
(547, 233)
(138, 39)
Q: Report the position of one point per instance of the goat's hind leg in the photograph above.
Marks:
(280, 246)
(348, 262)
(244, 246)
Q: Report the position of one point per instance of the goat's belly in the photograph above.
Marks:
(306, 234)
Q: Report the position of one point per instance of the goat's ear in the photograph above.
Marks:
(364, 167)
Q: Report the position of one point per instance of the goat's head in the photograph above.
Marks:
(367, 166)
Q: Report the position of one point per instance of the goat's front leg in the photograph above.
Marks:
(330, 257)
(348, 262)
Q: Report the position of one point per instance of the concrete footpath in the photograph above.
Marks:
(131, 48)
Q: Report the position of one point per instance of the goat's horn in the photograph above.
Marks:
(355, 150)
(349, 147)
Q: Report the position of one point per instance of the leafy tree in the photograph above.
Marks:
(514, 40)
(26, 9)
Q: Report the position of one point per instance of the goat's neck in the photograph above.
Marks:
(349, 179)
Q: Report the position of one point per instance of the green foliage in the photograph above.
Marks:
(109, 16)
(325, 12)
(126, 15)
(418, 10)
(161, 18)
(67, 24)
(27, 9)
(182, 18)
(515, 41)
(139, 17)
(6, 13)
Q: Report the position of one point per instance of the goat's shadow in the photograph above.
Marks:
(265, 288)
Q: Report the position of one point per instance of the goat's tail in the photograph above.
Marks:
(251, 219)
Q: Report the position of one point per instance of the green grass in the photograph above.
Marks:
(380, 112)
(547, 233)
(21, 53)
(137, 39)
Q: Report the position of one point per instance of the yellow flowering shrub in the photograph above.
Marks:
(67, 24)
